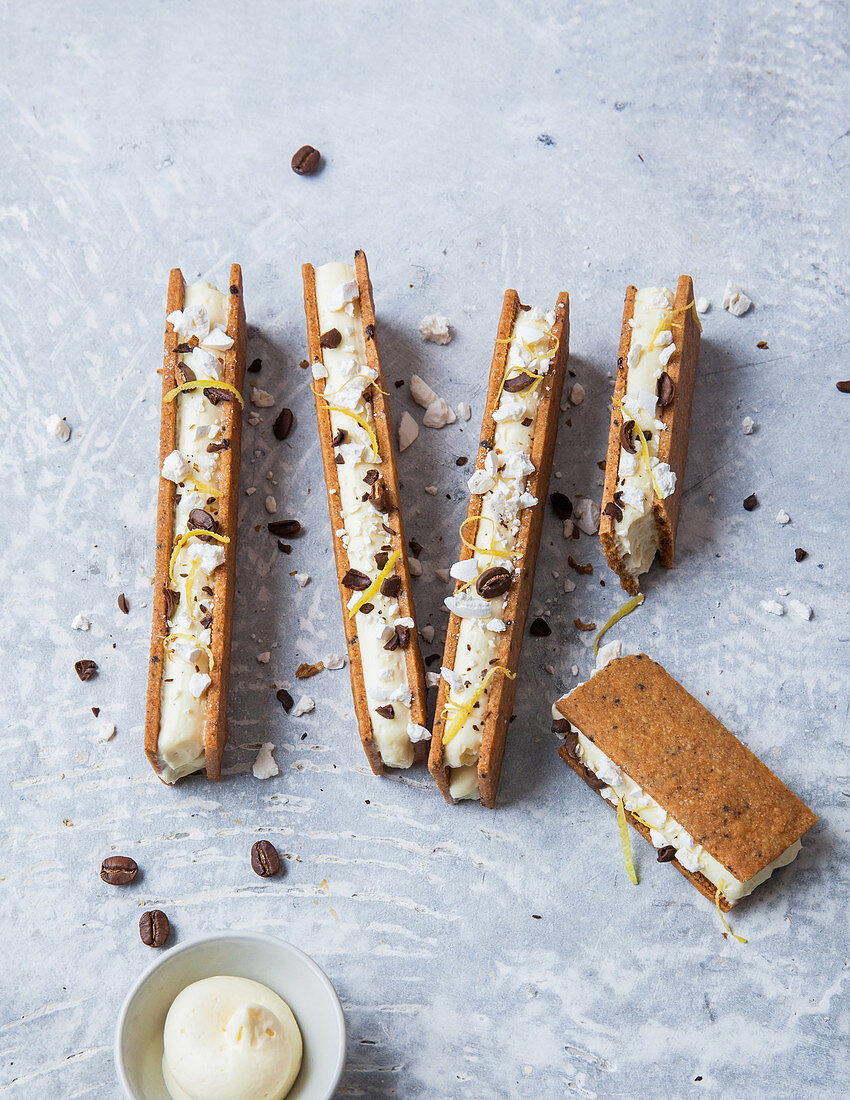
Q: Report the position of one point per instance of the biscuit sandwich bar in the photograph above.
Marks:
(500, 538)
(194, 581)
(680, 778)
(355, 431)
(648, 438)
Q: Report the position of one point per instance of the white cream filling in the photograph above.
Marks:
(347, 375)
(666, 830)
(502, 487)
(636, 534)
(181, 732)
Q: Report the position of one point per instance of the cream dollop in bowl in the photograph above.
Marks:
(284, 969)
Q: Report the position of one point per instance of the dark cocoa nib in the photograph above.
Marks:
(199, 520)
(283, 425)
(284, 547)
(285, 699)
(626, 441)
(560, 726)
(665, 854)
(751, 502)
(800, 554)
(224, 445)
(123, 606)
(391, 586)
(381, 558)
(183, 349)
(539, 628)
(562, 506)
(206, 620)
(519, 382)
(85, 669)
(367, 608)
(415, 548)
(493, 582)
(214, 395)
(370, 333)
(665, 389)
(371, 477)
(285, 528)
(592, 780)
(355, 581)
(403, 635)
(255, 366)
(330, 339)
(613, 510)
(305, 161)
(338, 438)
(527, 422)
(339, 460)
(462, 461)
(525, 309)
(843, 387)
(379, 498)
(234, 289)
(392, 643)
(387, 711)
(185, 374)
(172, 599)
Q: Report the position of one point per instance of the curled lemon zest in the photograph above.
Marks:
(184, 538)
(190, 580)
(204, 384)
(464, 710)
(493, 552)
(644, 448)
(376, 583)
(624, 841)
(627, 608)
(740, 939)
(197, 642)
(202, 486)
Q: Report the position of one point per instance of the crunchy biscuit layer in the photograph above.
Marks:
(683, 757)
(503, 689)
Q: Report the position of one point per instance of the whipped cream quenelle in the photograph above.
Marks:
(664, 830)
(230, 1039)
(346, 375)
(194, 468)
(501, 484)
(641, 476)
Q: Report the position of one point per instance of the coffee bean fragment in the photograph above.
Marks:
(284, 547)
(255, 366)
(370, 334)
(206, 620)
(283, 425)
(85, 669)
(415, 548)
(185, 374)
(626, 441)
(579, 624)
(340, 460)
(330, 339)
(527, 422)
(751, 502)
(265, 861)
(355, 581)
(118, 870)
(843, 387)
(381, 558)
(95, 711)
(214, 395)
(183, 349)
(562, 506)
(386, 711)
(285, 528)
(154, 928)
(379, 498)
(399, 639)
(285, 699)
(305, 671)
(665, 389)
(306, 160)
(571, 744)
(462, 461)
(800, 554)
(539, 628)
(339, 437)
(391, 586)
(584, 570)
(220, 445)
(493, 582)
(593, 781)
(613, 510)
(371, 477)
(199, 520)
(665, 854)
(560, 726)
(763, 344)
(519, 382)
(367, 608)
(123, 606)
(172, 599)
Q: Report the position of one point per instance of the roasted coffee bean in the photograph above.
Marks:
(665, 854)
(185, 374)
(751, 502)
(255, 366)
(843, 387)
(154, 928)
(571, 744)
(306, 160)
(285, 528)
(339, 437)
(199, 520)
(613, 510)
(265, 861)
(330, 339)
(123, 606)
(519, 382)
(626, 441)
(86, 670)
(493, 582)
(539, 628)
(800, 554)
(285, 699)
(665, 389)
(562, 506)
(355, 581)
(118, 870)
(283, 425)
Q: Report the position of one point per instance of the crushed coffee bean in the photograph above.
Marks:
(800, 554)
(581, 625)
(370, 332)
(367, 609)
(462, 461)
(415, 548)
(391, 586)
(339, 460)
(172, 599)
(613, 510)
(183, 349)
(284, 547)
(265, 861)
(118, 870)
(381, 559)
(95, 711)
(255, 366)
(285, 699)
(283, 425)
(560, 726)
(585, 570)
(379, 498)
(305, 671)
(665, 854)
(330, 339)
(626, 441)
(222, 445)
(305, 161)
(154, 928)
(199, 520)
(665, 389)
(493, 582)
(562, 506)
(285, 528)
(355, 581)
(843, 387)
(123, 606)
(214, 395)
(206, 620)
(339, 437)
(519, 382)
(751, 502)
(185, 374)
(763, 344)
(539, 628)
(85, 669)
(386, 711)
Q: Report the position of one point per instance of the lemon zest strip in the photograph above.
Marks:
(202, 384)
(202, 486)
(464, 710)
(362, 421)
(376, 583)
(184, 538)
(627, 608)
(740, 939)
(493, 552)
(624, 841)
(197, 641)
(644, 448)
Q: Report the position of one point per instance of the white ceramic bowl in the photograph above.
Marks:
(289, 972)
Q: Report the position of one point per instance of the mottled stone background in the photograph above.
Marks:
(468, 147)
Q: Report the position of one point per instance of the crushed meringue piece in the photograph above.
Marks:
(80, 622)
(417, 733)
(432, 679)
(271, 505)
(464, 410)
(435, 329)
(303, 579)
(703, 305)
(577, 394)
(747, 425)
(264, 658)
(175, 467)
(262, 398)
(782, 517)
(587, 514)
(431, 490)
(408, 430)
(58, 427)
(421, 392)
(801, 609)
(735, 300)
(773, 607)
(305, 705)
(415, 567)
(608, 652)
(438, 414)
(427, 633)
(265, 766)
(105, 729)
(334, 660)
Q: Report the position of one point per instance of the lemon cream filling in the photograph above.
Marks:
(641, 477)
(364, 534)
(501, 483)
(195, 471)
(665, 830)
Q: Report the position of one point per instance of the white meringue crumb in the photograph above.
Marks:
(587, 514)
(415, 567)
(408, 430)
(431, 490)
(249, 492)
(783, 591)
(438, 414)
(801, 609)
(735, 300)
(608, 652)
(577, 394)
(421, 392)
(305, 705)
(569, 586)
(550, 669)
(265, 766)
(428, 633)
(432, 679)
(773, 607)
(262, 398)
(198, 684)
(303, 579)
(568, 528)
(264, 658)
(748, 425)
(497, 625)
(58, 427)
(442, 575)
(105, 729)
(464, 410)
(574, 670)
(782, 517)
(334, 660)
(80, 622)
(435, 329)
(417, 733)
(271, 505)
(465, 571)
(174, 468)
(703, 305)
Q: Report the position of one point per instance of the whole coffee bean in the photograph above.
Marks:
(154, 928)
(306, 160)
(265, 861)
(493, 582)
(118, 870)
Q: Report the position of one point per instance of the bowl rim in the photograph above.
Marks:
(211, 937)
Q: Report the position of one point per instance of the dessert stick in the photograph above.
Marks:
(194, 578)
(355, 432)
(500, 539)
(648, 437)
(687, 784)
